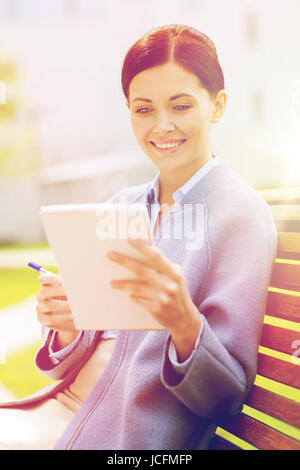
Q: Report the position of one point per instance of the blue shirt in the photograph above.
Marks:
(153, 193)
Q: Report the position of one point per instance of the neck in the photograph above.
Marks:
(169, 182)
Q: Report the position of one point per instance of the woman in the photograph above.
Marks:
(207, 287)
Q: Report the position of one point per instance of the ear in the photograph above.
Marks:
(219, 106)
(127, 104)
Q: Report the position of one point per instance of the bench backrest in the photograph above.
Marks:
(270, 419)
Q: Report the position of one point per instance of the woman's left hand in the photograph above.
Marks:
(162, 289)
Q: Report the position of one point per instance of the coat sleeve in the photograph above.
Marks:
(56, 366)
(242, 247)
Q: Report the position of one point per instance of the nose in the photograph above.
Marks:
(163, 124)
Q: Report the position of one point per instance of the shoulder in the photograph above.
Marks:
(237, 215)
(234, 198)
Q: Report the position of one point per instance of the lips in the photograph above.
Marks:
(168, 146)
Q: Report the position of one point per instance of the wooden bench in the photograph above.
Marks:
(270, 419)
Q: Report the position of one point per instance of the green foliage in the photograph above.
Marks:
(17, 284)
(20, 375)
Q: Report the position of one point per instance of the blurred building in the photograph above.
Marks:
(69, 137)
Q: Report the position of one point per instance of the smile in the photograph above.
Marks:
(168, 147)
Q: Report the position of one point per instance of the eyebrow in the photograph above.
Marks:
(172, 98)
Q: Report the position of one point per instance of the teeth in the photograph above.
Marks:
(168, 146)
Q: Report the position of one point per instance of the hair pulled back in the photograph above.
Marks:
(181, 44)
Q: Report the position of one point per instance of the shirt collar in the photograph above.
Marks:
(153, 192)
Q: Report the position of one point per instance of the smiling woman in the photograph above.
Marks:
(179, 68)
(205, 281)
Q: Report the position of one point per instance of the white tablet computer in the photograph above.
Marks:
(80, 235)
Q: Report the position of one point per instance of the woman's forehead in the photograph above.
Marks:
(164, 81)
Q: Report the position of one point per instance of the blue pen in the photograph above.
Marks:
(39, 268)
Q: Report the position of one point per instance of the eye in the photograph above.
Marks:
(142, 110)
(182, 107)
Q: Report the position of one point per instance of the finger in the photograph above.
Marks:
(155, 307)
(59, 306)
(165, 295)
(157, 259)
(49, 279)
(144, 272)
(136, 287)
(139, 267)
(57, 322)
(48, 292)
(148, 304)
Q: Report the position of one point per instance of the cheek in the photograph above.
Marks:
(140, 127)
(191, 124)
(192, 129)
(201, 128)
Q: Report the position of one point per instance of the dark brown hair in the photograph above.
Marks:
(180, 44)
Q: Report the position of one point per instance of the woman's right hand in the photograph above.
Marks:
(53, 310)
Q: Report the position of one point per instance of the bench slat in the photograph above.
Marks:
(281, 195)
(287, 225)
(283, 306)
(286, 211)
(258, 434)
(286, 276)
(288, 255)
(279, 339)
(278, 370)
(286, 217)
(218, 443)
(274, 405)
(288, 242)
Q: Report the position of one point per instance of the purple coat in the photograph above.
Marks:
(141, 401)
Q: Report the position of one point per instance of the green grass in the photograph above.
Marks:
(23, 246)
(17, 284)
(20, 375)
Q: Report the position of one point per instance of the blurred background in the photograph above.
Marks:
(65, 132)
